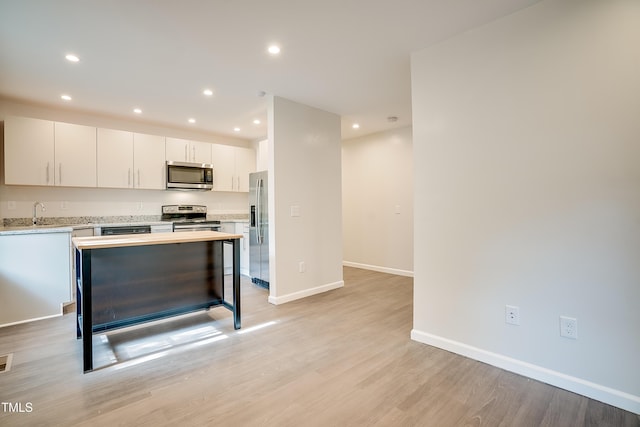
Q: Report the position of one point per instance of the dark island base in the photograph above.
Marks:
(124, 286)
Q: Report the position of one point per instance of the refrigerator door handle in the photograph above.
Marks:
(252, 220)
(259, 208)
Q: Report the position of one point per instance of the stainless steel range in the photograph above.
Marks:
(189, 218)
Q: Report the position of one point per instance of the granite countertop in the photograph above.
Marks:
(11, 226)
(35, 229)
(68, 224)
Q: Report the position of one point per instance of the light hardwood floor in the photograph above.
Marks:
(342, 358)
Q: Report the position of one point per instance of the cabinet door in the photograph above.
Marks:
(34, 293)
(200, 152)
(228, 227)
(245, 164)
(177, 150)
(28, 151)
(115, 158)
(243, 228)
(149, 161)
(75, 155)
(223, 159)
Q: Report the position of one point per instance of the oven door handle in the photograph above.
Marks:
(203, 227)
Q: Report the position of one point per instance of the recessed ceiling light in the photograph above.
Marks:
(192, 120)
(72, 58)
(207, 92)
(137, 111)
(65, 97)
(236, 129)
(355, 126)
(274, 49)
(256, 122)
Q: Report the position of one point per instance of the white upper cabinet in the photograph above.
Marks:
(245, 164)
(149, 161)
(115, 158)
(224, 169)
(183, 150)
(75, 155)
(177, 150)
(231, 167)
(200, 152)
(43, 152)
(28, 151)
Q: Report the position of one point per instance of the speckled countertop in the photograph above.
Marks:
(68, 224)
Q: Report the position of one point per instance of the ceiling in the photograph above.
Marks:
(349, 57)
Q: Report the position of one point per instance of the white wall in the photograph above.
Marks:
(109, 202)
(527, 192)
(377, 201)
(304, 150)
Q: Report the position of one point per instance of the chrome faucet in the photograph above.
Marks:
(35, 206)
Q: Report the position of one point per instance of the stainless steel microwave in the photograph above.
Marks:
(189, 176)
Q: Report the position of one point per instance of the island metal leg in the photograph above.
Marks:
(236, 283)
(85, 310)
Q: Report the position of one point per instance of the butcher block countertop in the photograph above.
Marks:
(99, 242)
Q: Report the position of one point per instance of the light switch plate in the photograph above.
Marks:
(295, 210)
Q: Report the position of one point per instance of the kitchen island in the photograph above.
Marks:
(126, 280)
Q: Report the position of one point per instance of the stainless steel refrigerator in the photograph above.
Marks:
(259, 229)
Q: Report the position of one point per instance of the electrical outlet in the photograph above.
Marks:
(64, 205)
(301, 267)
(512, 315)
(11, 205)
(569, 327)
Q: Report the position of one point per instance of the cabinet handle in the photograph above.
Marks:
(193, 157)
(129, 178)
(186, 155)
(139, 178)
(47, 172)
(59, 173)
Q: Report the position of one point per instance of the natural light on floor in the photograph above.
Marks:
(126, 353)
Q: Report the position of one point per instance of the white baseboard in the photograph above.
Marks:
(604, 394)
(305, 293)
(388, 270)
(35, 319)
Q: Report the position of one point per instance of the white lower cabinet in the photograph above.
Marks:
(164, 228)
(243, 228)
(236, 228)
(28, 293)
(228, 227)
